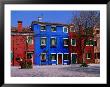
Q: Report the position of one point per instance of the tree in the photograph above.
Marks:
(84, 22)
(87, 19)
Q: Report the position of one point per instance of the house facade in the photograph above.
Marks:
(81, 45)
(22, 44)
(97, 44)
(51, 43)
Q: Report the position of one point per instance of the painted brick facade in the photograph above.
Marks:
(19, 45)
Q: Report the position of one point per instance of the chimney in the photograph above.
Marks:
(19, 26)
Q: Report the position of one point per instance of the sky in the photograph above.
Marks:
(48, 16)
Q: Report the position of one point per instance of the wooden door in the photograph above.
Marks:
(59, 58)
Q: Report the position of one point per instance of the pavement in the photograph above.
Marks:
(73, 70)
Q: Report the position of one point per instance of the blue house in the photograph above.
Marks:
(51, 43)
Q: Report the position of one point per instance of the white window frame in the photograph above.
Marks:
(51, 38)
(87, 57)
(64, 39)
(32, 56)
(75, 42)
(71, 30)
(66, 53)
(55, 27)
(66, 28)
(41, 26)
(71, 57)
(45, 41)
(28, 37)
(57, 57)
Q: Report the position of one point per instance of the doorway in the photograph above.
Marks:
(59, 58)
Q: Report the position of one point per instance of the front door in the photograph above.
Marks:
(59, 58)
(74, 56)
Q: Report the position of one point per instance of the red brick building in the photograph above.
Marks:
(22, 43)
(81, 47)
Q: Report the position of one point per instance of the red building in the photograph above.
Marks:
(81, 47)
(74, 45)
(22, 43)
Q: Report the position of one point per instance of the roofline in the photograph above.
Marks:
(49, 23)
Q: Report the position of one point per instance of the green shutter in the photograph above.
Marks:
(73, 41)
(11, 56)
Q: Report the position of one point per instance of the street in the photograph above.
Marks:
(73, 70)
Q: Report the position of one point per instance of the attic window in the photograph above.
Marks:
(43, 28)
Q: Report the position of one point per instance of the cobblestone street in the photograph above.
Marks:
(74, 70)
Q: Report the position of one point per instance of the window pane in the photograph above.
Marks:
(53, 28)
(29, 40)
(29, 55)
(88, 55)
(53, 41)
(66, 56)
(53, 56)
(65, 29)
(43, 41)
(65, 42)
(43, 57)
(43, 28)
(73, 42)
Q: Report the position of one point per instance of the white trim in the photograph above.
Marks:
(62, 57)
(66, 53)
(71, 42)
(53, 60)
(66, 28)
(53, 37)
(53, 53)
(41, 26)
(87, 56)
(51, 28)
(43, 37)
(65, 39)
(27, 39)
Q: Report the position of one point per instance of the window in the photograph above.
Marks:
(43, 56)
(97, 31)
(43, 28)
(65, 41)
(43, 41)
(53, 29)
(29, 40)
(53, 56)
(88, 55)
(53, 41)
(90, 43)
(73, 42)
(65, 29)
(66, 56)
(72, 29)
(29, 55)
(95, 43)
